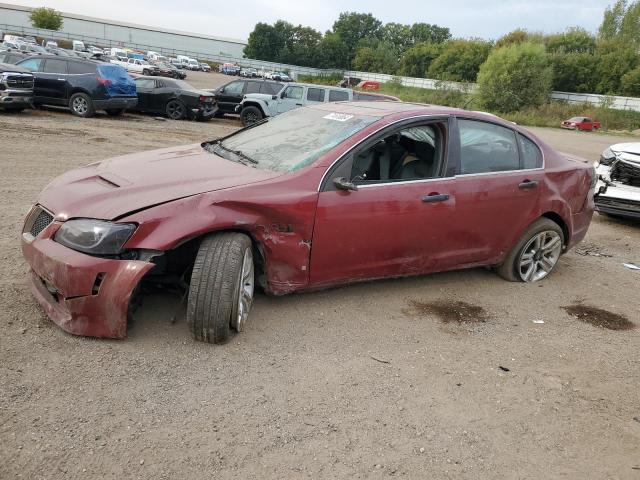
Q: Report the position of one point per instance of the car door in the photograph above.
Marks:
(162, 91)
(34, 65)
(144, 89)
(54, 81)
(498, 183)
(587, 124)
(230, 95)
(291, 97)
(399, 219)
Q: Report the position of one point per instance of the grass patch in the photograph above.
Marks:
(548, 115)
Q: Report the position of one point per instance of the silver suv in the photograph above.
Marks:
(256, 106)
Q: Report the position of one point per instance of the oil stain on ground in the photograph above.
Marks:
(449, 311)
(599, 317)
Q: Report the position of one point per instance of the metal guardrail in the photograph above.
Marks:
(615, 102)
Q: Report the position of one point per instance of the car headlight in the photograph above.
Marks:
(96, 237)
(607, 157)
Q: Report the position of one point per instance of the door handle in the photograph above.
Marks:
(436, 197)
(528, 184)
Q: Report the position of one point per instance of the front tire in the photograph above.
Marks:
(222, 286)
(250, 115)
(81, 105)
(536, 253)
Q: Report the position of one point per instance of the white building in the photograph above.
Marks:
(102, 32)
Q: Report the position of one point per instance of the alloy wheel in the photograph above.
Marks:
(80, 105)
(245, 292)
(539, 256)
(175, 110)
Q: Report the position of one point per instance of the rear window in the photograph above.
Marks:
(338, 96)
(315, 94)
(79, 68)
(55, 66)
(531, 154)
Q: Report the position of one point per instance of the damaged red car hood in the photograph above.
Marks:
(120, 185)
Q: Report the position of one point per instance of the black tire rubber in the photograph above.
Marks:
(90, 108)
(114, 112)
(250, 111)
(173, 116)
(507, 269)
(215, 281)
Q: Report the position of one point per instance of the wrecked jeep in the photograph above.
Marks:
(618, 187)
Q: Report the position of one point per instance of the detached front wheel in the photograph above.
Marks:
(222, 287)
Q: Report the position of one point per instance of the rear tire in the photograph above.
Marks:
(542, 257)
(176, 110)
(221, 289)
(250, 115)
(114, 112)
(81, 105)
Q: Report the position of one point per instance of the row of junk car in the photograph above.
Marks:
(87, 79)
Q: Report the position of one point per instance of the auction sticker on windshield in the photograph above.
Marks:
(339, 117)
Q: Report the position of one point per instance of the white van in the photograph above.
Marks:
(156, 57)
(78, 46)
(118, 52)
(193, 64)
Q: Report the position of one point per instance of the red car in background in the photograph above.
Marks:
(580, 124)
(319, 196)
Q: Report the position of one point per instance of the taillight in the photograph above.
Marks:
(104, 81)
(204, 99)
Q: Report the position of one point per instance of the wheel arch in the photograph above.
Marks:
(259, 105)
(557, 218)
(75, 90)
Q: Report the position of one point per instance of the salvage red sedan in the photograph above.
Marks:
(581, 124)
(315, 197)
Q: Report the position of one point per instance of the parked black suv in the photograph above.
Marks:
(16, 88)
(231, 94)
(82, 85)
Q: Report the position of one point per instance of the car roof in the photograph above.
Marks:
(316, 85)
(58, 57)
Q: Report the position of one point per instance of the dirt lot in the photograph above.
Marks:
(385, 379)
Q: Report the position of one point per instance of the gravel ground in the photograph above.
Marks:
(441, 376)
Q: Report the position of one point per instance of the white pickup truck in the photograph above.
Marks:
(134, 65)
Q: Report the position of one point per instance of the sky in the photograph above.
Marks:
(487, 19)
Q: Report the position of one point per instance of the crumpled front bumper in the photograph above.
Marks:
(615, 198)
(82, 294)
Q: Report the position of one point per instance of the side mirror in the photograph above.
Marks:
(221, 90)
(342, 183)
(274, 97)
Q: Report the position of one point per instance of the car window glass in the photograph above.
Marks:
(531, 154)
(253, 87)
(294, 93)
(145, 83)
(486, 147)
(413, 153)
(315, 94)
(338, 96)
(79, 68)
(32, 64)
(270, 88)
(234, 88)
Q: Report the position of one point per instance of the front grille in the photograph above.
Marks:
(37, 221)
(625, 172)
(20, 81)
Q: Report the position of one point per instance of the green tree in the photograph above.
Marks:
(460, 60)
(514, 77)
(46, 18)
(612, 21)
(397, 35)
(302, 47)
(428, 33)
(415, 62)
(574, 72)
(615, 59)
(630, 83)
(333, 52)
(379, 58)
(352, 27)
(573, 40)
(622, 22)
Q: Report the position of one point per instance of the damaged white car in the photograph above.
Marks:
(618, 187)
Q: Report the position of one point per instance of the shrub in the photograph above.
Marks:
(514, 77)
(46, 18)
